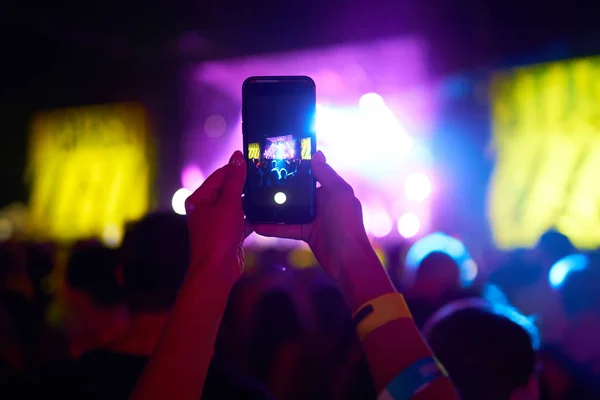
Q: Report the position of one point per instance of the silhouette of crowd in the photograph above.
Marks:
(83, 321)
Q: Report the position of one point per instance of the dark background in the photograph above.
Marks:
(56, 54)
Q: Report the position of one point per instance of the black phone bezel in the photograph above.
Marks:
(271, 214)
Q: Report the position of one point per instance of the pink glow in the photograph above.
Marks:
(375, 155)
(192, 177)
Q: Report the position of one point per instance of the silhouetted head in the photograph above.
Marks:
(580, 297)
(332, 314)
(275, 324)
(552, 246)
(437, 275)
(488, 352)
(155, 261)
(91, 269)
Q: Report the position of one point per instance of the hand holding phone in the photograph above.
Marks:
(279, 141)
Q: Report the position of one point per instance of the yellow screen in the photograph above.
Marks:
(546, 136)
(89, 171)
(253, 151)
(306, 148)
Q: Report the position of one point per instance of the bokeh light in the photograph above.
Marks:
(192, 177)
(446, 244)
(341, 134)
(563, 267)
(301, 258)
(178, 200)
(417, 187)
(409, 225)
(468, 270)
(215, 126)
(6, 229)
(371, 102)
(112, 235)
(377, 222)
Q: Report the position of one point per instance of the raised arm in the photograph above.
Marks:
(180, 361)
(398, 357)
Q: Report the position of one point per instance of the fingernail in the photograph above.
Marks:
(237, 158)
(319, 156)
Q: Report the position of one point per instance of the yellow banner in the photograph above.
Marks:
(89, 171)
(546, 134)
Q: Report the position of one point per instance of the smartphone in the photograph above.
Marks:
(278, 124)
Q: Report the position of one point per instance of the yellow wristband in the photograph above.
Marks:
(378, 312)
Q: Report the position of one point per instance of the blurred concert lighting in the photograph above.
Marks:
(191, 177)
(377, 222)
(546, 141)
(301, 258)
(178, 201)
(89, 168)
(417, 187)
(563, 267)
(215, 126)
(371, 102)
(447, 244)
(409, 225)
(112, 235)
(368, 141)
(376, 108)
(6, 229)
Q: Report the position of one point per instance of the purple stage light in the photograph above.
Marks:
(376, 108)
(192, 177)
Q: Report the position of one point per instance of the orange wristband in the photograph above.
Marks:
(378, 312)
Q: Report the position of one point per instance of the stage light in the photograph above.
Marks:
(378, 223)
(215, 126)
(191, 177)
(178, 200)
(367, 142)
(468, 270)
(409, 225)
(381, 254)
(302, 258)
(88, 167)
(371, 102)
(417, 187)
(563, 267)
(6, 229)
(446, 244)
(538, 164)
(112, 235)
(493, 294)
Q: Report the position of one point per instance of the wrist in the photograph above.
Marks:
(212, 276)
(362, 276)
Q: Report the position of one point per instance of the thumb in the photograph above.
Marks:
(235, 179)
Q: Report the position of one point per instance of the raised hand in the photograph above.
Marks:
(338, 230)
(216, 221)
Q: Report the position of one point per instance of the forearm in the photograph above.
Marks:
(396, 345)
(180, 361)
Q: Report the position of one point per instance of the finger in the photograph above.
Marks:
(327, 177)
(281, 231)
(235, 178)
(209, 191)
(319, 156)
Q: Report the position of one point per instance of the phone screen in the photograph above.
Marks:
(279, 141)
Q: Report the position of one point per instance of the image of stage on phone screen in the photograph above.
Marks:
(279, 160)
